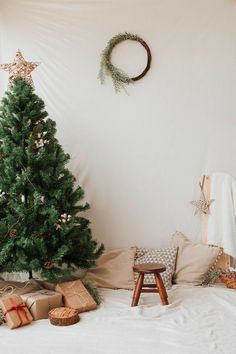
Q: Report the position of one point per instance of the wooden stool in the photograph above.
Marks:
(149, 268)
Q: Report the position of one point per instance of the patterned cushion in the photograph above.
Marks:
(166, 256)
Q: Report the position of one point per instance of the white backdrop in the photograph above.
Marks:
(138, 156)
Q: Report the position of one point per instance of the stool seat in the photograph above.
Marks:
(149, 268)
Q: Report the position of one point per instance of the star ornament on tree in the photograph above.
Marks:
(20, 68)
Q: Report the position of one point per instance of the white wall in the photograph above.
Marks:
(138, 156)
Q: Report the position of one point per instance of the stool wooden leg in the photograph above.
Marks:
(137, 290)
(162, 289)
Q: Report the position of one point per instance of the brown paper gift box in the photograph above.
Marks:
(76, 296)
(41, 302)
(15, 311)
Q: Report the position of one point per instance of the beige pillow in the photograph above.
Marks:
(114, 269)
(193, 260)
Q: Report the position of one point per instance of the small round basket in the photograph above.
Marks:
(229, 278)
(63, 316)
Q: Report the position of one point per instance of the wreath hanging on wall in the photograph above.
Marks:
(119, 77)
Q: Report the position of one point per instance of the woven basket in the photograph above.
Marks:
(63, 316)
(229, 278)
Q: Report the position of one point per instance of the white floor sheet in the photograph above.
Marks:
(197, 321)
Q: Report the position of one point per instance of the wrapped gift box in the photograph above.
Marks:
(41, 302)
(15, 311)
(76, 296)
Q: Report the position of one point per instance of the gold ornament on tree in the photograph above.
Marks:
(202, 205)
(20, 68)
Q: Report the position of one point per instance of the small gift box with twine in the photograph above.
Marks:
(76, 296)
(15, 311)
(41, 302)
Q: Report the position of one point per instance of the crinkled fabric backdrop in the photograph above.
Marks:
(138, 156)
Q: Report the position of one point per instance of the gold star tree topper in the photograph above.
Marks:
(20, 68)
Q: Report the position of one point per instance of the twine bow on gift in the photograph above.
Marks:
(20, 310)
(11, 289)
(72, 293)
(37, 295)
(83, 301)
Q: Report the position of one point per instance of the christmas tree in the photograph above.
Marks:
(41, 227)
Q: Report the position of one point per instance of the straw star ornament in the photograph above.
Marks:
(20, 68)
(202, 205)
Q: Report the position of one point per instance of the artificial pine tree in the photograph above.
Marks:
(41, 228)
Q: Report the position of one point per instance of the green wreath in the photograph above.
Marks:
(119, 77)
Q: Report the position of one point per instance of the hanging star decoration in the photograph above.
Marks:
(20, 68)
(202, 205)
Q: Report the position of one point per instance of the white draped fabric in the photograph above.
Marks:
(222, 218)
(197, 321)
